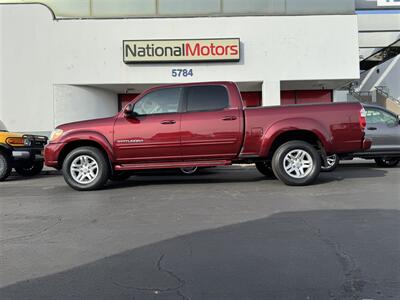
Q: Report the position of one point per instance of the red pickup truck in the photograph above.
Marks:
(203, 125)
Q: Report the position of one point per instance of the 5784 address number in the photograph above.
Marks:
(182, 72)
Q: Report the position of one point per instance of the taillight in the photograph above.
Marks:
(362, 118)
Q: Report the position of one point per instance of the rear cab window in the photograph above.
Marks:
(206, 98)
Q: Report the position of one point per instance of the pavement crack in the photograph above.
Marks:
(31, 235)
(156, 290)
(189, 246)
(354, 284)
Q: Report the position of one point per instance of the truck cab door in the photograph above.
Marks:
(210, 127)
(153, 133)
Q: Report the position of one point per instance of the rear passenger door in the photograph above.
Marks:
(210, 126)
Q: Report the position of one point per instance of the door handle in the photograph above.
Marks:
(168, 122)
(371, 128)
(229, 118)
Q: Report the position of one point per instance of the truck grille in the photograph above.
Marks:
(37, 141)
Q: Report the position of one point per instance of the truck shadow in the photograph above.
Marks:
(222, 175)
(325, 254)
(240, 174)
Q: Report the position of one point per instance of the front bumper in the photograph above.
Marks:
(27, 154)
(51, 154)
(31, 152)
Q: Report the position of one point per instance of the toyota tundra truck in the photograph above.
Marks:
(205, 125)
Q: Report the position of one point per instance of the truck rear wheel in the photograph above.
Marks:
(5, 166)
(31, 169)
(86, 169)
(296, 163)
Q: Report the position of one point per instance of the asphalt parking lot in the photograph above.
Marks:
(227, 233)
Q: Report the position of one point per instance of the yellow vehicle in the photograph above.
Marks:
(22, 152)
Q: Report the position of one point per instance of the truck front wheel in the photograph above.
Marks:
(86, 169)
(296, 163)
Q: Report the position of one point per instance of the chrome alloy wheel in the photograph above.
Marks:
(331, 160)
(189, 170)
(84, 169)
(298, 163)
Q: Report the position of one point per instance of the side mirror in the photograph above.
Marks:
(128, 111)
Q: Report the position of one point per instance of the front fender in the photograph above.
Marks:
(88, 135)
(294, 124)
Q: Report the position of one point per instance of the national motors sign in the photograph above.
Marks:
(158, 51)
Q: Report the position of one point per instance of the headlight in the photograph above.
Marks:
(15, 141)
(27, 142)
(56, 134)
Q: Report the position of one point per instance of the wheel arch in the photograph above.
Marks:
(305, 129)
(78, 144)
(282, 137)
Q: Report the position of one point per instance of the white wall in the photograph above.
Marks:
(40, 53)
(27, 82)
(77, 103)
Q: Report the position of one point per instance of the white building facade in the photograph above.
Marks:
(61, 69)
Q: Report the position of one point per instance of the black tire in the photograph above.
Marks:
(281, 157)
(30, 170)
(120, 176)
(102, 173)
(5, 166)
(387, 162)
(333, 162)
(265, 168)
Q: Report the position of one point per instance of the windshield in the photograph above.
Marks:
(2, 126)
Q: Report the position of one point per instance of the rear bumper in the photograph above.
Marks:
(52, 153)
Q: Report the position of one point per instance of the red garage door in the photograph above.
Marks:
(306, 96)
(251, 99)
(124, 99)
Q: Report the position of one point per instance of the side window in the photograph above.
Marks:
(159, 102)
(206, 98)
(375, 116)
